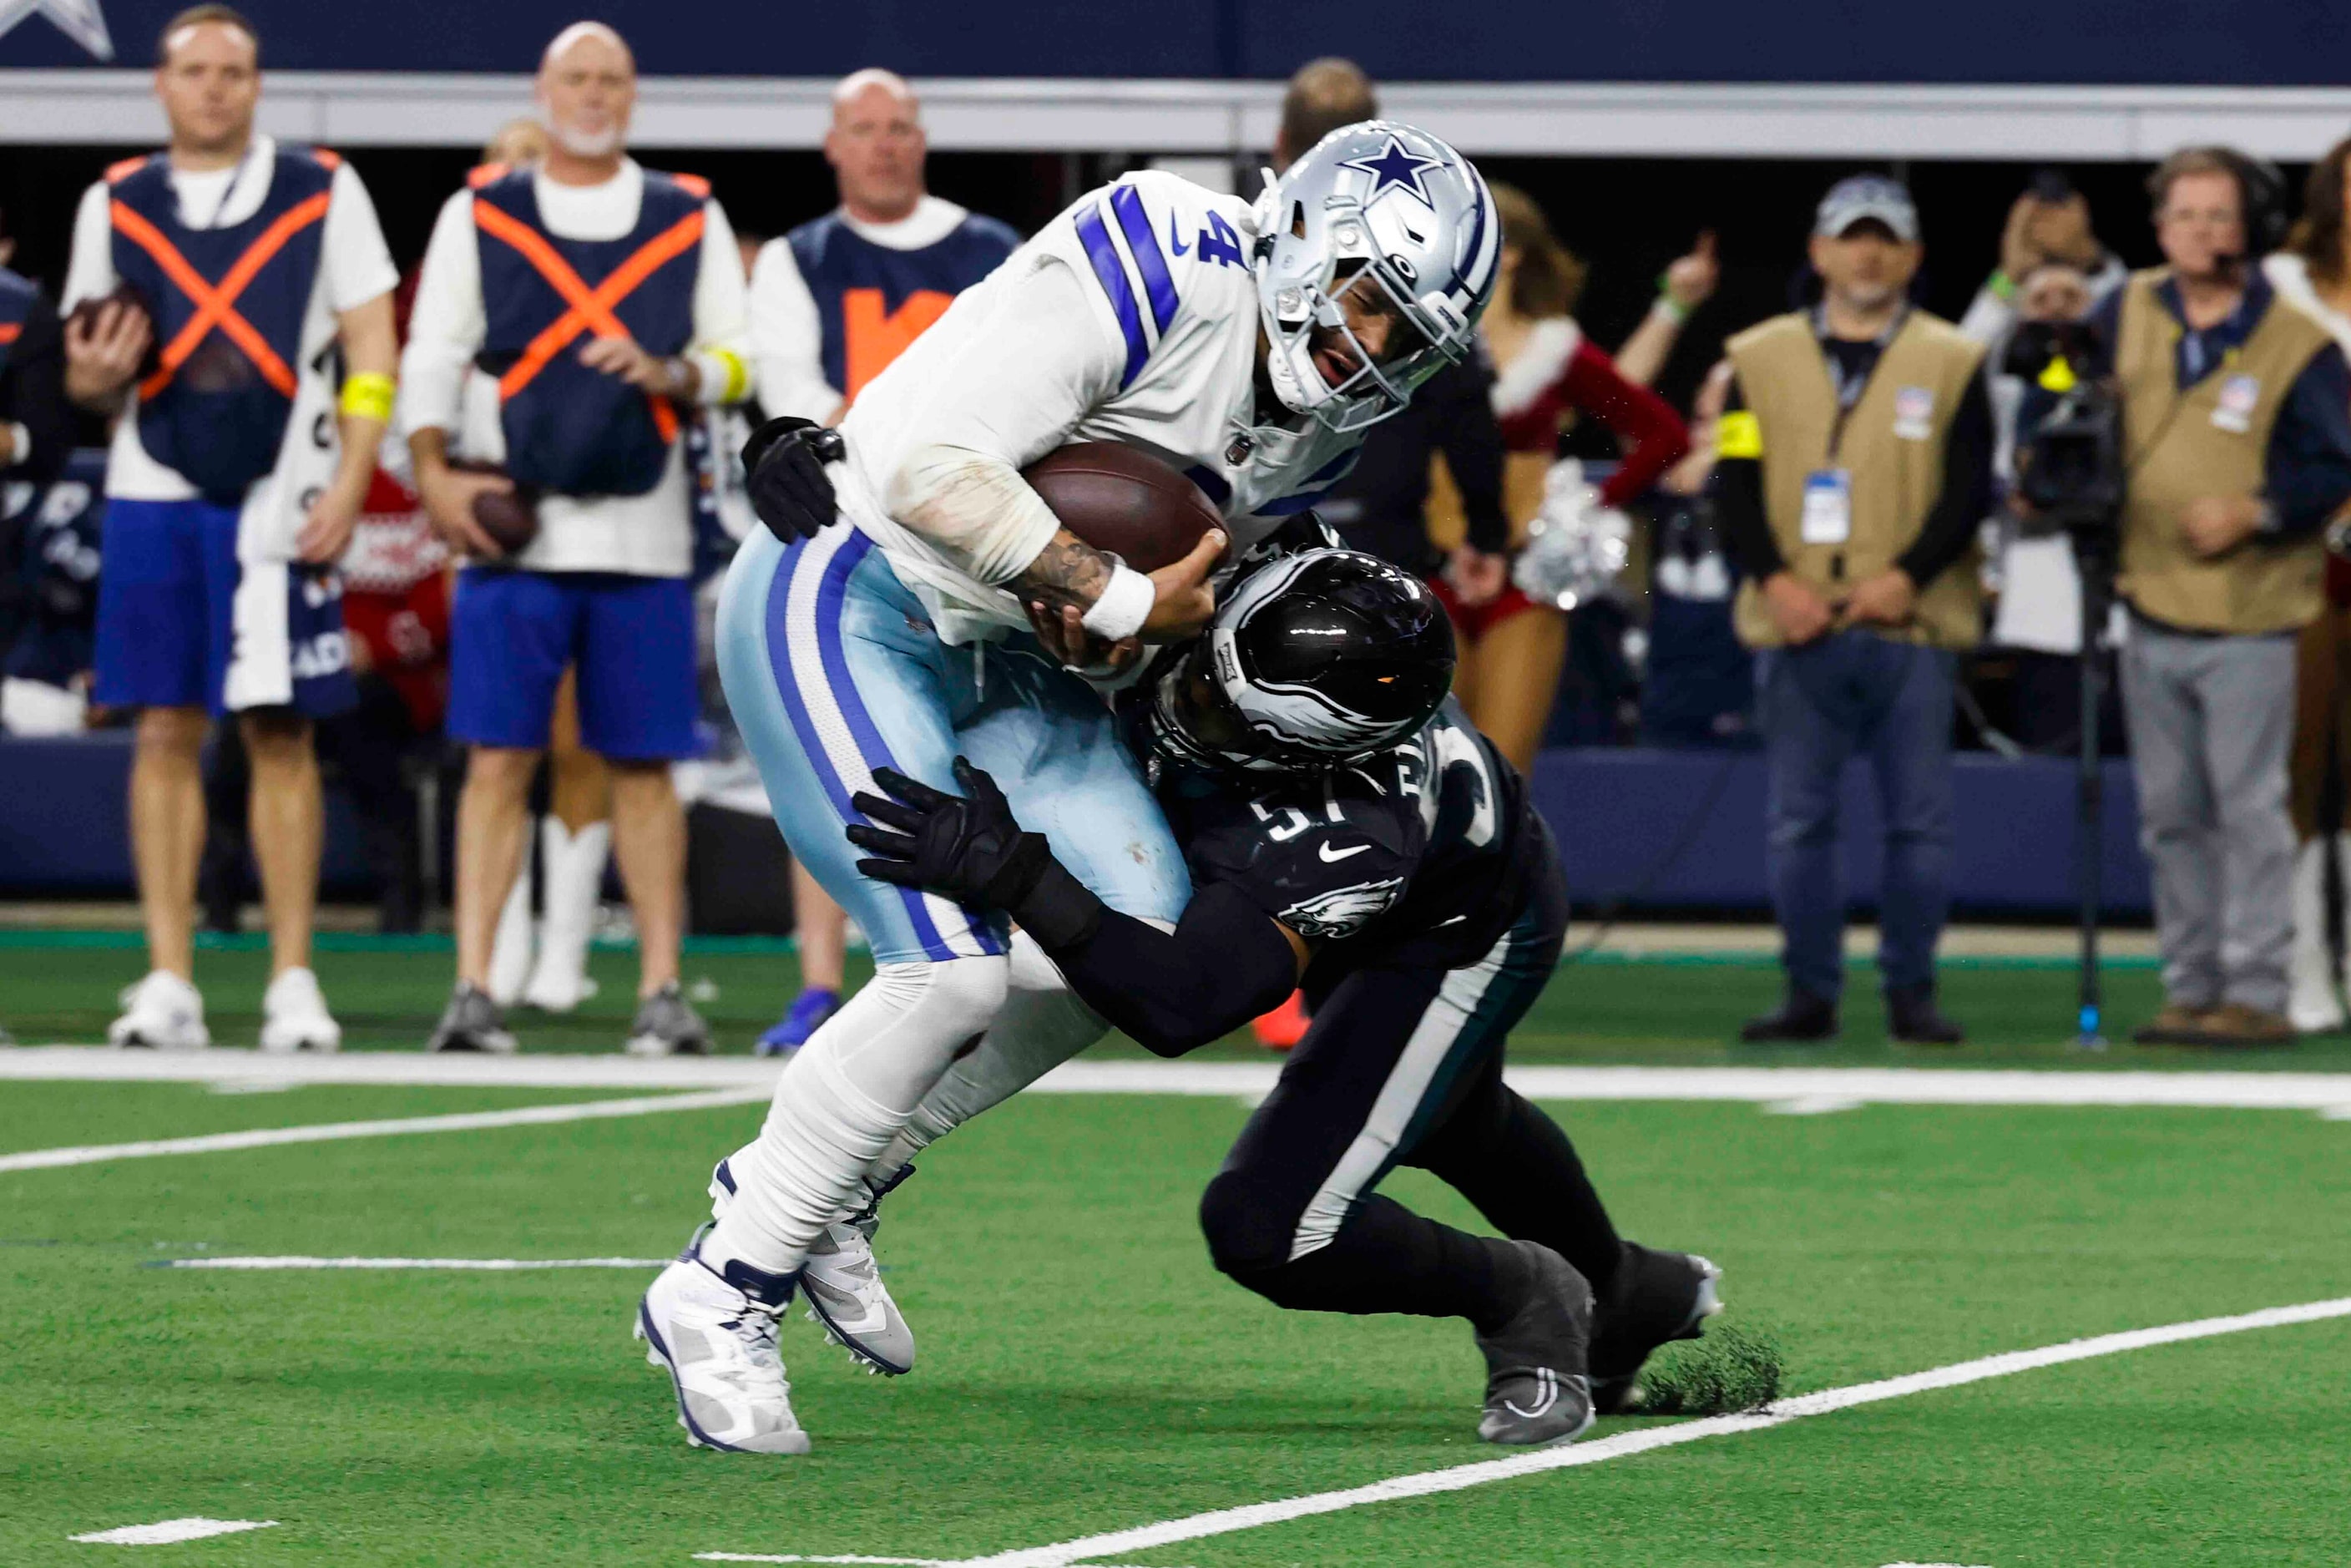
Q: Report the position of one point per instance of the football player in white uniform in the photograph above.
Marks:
(1249, 347)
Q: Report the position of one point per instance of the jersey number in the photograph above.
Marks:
(1455, 748)
(1290, 822)
(1219, 244)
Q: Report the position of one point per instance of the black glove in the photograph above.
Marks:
(969, 848)
(783, 464)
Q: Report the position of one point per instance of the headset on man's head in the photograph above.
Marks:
(2261, 196)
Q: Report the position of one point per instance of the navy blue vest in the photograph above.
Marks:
(569, 429)
(874, 300)
(216, 408)
(16, 297)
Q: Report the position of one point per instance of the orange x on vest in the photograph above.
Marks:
(216, 307)
(873, 335)
(590, 307)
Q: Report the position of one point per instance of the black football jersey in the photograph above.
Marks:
(1414, 852)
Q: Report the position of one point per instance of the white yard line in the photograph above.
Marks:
(2252, 1091)
(171, 1531)
(1222, 1522)
(487, 1265)
(330, 1132)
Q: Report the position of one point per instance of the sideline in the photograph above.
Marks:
(330, 1132)
(1457, 1477)
(2249, 1091)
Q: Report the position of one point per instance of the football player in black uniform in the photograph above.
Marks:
(1343, 823)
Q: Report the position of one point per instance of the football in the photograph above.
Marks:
(510, 518)
(1123, 502)
(83, 318)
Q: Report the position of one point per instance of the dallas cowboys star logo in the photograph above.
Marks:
(1396, 165)
(79, 20)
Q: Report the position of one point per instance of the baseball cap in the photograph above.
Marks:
(1850, 201)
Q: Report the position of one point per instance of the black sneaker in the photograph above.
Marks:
(1912, 1016)
(471, 1022)
(667, 1025)
(1803, 1017)
(1537, 1388)
(1654, 1299)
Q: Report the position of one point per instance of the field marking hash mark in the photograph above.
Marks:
(485, 1265)
(172, 1532)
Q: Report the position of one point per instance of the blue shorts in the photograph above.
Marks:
(513, 634)
(183, 624)
(832, 670)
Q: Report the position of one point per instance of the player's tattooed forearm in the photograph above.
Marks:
(1067, 571)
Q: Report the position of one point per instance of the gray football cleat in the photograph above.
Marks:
(1654, 1299)
(1538, 1390)
(843, 1283)
(667, 1025)
(471, 1022)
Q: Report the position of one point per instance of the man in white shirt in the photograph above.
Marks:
(222, 274)
(567, 319)
(833, 303)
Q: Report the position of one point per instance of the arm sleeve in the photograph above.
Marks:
(1472, 444)
(1967, 491)
(90, 273)
(1012, 391)
(1653, 436)
(446, 325)
(1738, 490)
(33, 394)
(354, 258)
(1174, 991)
(788, 338)
(721, 350)
(2309, 459)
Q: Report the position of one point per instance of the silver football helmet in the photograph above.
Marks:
(1378, 223)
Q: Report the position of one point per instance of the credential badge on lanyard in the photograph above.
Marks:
(1828, 506)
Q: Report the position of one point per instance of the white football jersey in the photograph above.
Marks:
(1152, 343)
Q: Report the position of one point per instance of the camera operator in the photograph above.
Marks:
(2236, 447)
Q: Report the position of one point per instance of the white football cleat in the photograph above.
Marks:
(716, 1340)
(843, 1280)
(293, 1015)
(161, 1012)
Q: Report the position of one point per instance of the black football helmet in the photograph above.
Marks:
(1312, 661)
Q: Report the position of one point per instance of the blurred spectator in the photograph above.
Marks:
(1699, 686)
(2053, 268)
(2237, 421)
(36, 650)
(833, 303)
(1510, 648)
(2313, 274)
(545, 964)
(231, 488)
(588, 439)
(1854, 463)
(1324, 95)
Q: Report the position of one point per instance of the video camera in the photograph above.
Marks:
(2069, 468)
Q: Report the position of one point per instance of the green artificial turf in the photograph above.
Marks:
(1083, 1369)
(60, 988)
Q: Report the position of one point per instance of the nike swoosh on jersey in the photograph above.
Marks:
(1331, 859)
(1176, 241)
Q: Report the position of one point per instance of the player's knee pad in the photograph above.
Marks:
(894, 1038)
(1248, 1234)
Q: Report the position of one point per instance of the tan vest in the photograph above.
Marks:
(1891, 446)
(2212, 440)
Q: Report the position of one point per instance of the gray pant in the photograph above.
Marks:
(2210, 719)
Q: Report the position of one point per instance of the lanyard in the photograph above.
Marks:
(1850, 389)
(228, 192)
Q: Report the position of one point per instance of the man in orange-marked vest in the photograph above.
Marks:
(569, 317)
(833, 303)
(229, 304)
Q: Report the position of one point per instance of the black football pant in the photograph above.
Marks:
(1404, 1066)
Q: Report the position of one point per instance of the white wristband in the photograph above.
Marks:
(1123, 606)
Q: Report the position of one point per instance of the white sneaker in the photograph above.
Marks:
(845, 1293)
(161, 1012)
(717, 1342)
(293, 1015)
(2312, 1005)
